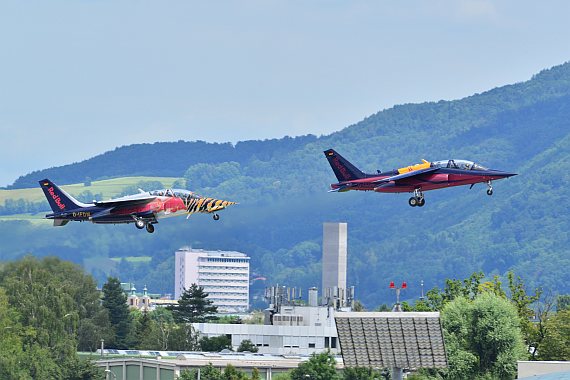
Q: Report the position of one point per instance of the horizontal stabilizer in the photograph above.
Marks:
(340, 189)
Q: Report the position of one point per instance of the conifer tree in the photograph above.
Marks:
(115, 301)
(194, 306)
(143, 328)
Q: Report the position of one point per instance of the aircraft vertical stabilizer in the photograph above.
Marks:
(343, 169)
(57, 198)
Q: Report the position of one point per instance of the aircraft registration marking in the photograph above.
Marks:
(81, 214)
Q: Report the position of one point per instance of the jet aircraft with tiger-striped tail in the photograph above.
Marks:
(143, 209)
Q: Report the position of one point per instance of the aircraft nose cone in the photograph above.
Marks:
(508, 174)
(498, 174)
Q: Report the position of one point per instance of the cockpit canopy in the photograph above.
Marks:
(458, 164)
(180, 193)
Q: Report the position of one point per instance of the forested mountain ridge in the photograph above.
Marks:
(170, 158)
(470, 118)
(282, 184)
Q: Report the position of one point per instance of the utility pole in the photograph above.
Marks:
(397, 306)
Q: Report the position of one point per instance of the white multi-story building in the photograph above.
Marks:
(223, 275)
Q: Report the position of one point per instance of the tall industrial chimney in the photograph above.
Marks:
(334, 261)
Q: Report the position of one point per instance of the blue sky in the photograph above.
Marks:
(78, 78)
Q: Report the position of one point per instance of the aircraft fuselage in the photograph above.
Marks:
(430, 181)
(412, 179)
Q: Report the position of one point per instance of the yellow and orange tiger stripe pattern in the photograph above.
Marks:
(206, 205)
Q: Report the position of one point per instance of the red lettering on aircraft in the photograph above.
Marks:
(56, 198)
(341, 168)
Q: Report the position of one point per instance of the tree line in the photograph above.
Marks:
(50, 309)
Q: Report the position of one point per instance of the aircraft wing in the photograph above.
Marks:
(130, 200)
(414, 173)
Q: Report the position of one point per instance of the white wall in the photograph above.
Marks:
(278, 340)
(535, 368)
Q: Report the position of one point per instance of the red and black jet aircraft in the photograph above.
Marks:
(412, 179)
(143, 209)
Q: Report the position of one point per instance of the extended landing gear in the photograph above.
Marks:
(418, 199)
(216, 217)
(490, 188)
(140, 224)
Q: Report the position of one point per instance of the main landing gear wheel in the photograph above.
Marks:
(490, 188)
(149, 228)
(489, 191)
(418, 199)
(139, 223)
(216, 217)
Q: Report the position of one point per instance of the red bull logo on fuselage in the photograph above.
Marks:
(56, 198)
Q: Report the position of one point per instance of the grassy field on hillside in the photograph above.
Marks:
(37, 219)
(109, 188)
(133, 259)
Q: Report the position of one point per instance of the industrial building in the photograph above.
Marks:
(289, 330)
(224, 275)
(292, 327)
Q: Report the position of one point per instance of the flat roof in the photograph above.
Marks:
(213, 253)
(221, 359)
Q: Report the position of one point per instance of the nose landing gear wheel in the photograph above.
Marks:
(216, 217)
(150, 228)
(489, 191)
(139, 224)
(413, 201)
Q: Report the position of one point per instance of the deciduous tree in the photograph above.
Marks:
(247, 345)
(319, 367)
(40, 312)
(483, 337)
(216, 343)
(556, 343)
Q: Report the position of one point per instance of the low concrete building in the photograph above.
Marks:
(169, 367)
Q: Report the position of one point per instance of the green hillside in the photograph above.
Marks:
(282, 185)
(108, 188)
